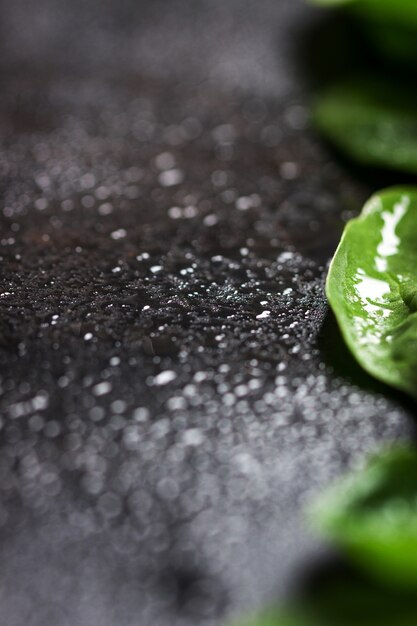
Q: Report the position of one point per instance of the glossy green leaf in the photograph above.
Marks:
(373, 516)
(372, 122)
(372, 287)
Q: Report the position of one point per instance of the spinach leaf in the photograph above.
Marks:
(389, 25)
(373, 516)
(342, 600)
(372, 287)
(395, 41)
(373, 122)
(394, 10)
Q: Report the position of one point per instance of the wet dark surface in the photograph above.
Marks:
(172, 390)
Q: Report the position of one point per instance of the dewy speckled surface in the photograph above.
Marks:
(169, 399)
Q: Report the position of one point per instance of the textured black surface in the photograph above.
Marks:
(171, 390)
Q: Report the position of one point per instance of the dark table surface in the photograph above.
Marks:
(173, 389)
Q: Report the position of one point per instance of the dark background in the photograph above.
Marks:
(173, 389)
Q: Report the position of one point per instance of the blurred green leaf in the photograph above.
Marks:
(373, 122)
(396, 40)
(390, 26)
(372, 515)
(398, 10)
(342, 601)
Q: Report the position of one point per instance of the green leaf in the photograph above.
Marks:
(341, 599)
(373, 122)
(373, 516)
(395, 41)
(404, 11)
(372, 287)
(389, 25)
(356, 602)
